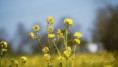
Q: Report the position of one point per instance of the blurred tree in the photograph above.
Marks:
(106, 29)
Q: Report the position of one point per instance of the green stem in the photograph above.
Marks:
(66, 38)
(64, 41)
(73, 56)
(39, 40)
(74, 49)
(47, 37)
(57, 49)
(66, 62)
(1, 59)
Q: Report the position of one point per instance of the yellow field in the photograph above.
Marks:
(81, 60)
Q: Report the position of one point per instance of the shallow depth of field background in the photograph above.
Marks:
(97, 20)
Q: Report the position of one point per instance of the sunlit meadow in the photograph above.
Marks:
(52, 55)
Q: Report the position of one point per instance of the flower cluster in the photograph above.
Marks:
(3, 46)
(50, 20)
(67, 52)
(59, 33)
(53, 38)
(23, 59)
(45, 50)
(68, 21)
(47, 57)
(76, 40)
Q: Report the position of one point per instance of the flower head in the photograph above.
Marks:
(76, 41)
(32, 35)
(61, 58)
(77, 35)
(50, 20)
(59, 31)
(45, 49)
(68, 21)
(50, 29)
(3, 44)
(24, 59)
(67, 53)
(51, 35)
(47, 57)
(36, 27)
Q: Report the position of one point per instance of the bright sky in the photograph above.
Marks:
(31, 11)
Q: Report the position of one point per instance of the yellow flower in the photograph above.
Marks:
(24, 59)
(61, 58)
(60, 35)
(45, 49)
(58, 31)
(76, 41)
(4, 49)
(51, 35)
(36, 27)
(67, 53)
(50, 20)
(12, 60)
(68, 21)
(32, 35)
(47, 57)
(50, 29)
(3, 44)
(77, 35)
(68, 49)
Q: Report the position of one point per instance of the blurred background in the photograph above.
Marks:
(97, 20)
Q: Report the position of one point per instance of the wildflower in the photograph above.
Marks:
(67, 52)
(47, 57)
(50, 20)
(32, 35)
(3, 44)
(59, 33)
(50, 29)
(4, 49)
(12, 60)
(69, 49)
(45, 49)
(51, 35)
(68, 21)
(76, 41)
(61, 58)
(36, 27)
(77, 35)
(16, 63)
(24, 59)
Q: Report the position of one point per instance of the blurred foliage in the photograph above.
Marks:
(106, 29)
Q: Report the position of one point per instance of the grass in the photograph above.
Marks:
(81, 60)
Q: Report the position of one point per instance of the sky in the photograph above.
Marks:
(30, 12)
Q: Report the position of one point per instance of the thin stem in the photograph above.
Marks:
(1, 58)
(73, 56)
(66, 36)
(39, 40)
(49, 43)
(57, 49)
(66, 62)
(64, 41)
